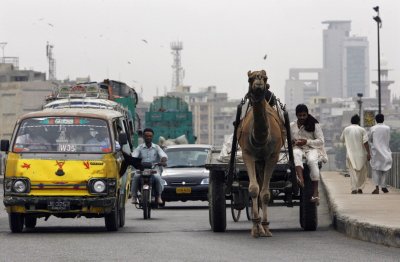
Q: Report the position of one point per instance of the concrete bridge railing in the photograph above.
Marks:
(393, 178)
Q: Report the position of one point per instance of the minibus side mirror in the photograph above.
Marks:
(122, 139)
(5, 145)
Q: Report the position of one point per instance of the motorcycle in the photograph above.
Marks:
(146, 195)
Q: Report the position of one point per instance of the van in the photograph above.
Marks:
(66, 163)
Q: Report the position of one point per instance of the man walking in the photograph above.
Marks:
(355, 139)
(381, 156)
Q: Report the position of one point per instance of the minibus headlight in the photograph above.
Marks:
(99, 186)
(20, 186)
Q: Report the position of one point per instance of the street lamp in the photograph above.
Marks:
(359, 101)
(379, 24)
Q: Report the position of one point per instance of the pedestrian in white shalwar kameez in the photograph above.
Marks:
(355, 139)
(381, 155)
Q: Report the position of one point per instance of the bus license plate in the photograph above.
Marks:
(183, 190)
(58, 205)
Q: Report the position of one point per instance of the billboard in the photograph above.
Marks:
(369, 118)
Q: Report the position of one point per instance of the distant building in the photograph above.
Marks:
(302, 85)
(331, 91)
(10, 73)
(345, 62)
(345, 71)
(22, 91)
(213, 113)
(333, 39)
(355, 67)
(17, 98)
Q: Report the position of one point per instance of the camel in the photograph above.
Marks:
(260, 135)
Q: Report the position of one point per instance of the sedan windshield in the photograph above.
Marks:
(186, 157)
(63, 134)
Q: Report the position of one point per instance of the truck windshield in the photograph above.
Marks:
(63, 134)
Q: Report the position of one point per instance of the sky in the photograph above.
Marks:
(129, 40)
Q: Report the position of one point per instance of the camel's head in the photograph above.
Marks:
(257, 84)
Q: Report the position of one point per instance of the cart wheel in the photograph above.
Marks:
(293, 177)
(308, 209)
(216, 201)
(235, 212)
(248, 209)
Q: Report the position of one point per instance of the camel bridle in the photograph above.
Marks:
(257, 96)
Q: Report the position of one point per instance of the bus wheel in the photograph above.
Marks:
(16, 222)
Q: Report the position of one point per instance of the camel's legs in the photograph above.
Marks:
(265, 196)
(254, 191)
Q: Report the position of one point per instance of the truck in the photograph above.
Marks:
(127, 97)
(170, 118)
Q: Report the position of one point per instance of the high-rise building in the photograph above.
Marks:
(355, 67)
(345, 62)
(333, 39)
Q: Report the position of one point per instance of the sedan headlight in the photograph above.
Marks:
(164, 183)
(205, 181)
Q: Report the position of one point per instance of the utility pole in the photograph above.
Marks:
(177, 74)
(52, 62)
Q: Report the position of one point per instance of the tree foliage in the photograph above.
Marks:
(395, 141)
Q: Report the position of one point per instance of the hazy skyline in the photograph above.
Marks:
(222, 39)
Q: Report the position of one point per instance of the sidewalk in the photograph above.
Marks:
(373, 218)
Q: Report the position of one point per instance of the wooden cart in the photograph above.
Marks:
(229, 181)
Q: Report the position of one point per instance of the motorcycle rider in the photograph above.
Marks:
(151, 153)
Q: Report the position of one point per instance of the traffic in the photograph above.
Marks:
(80, 156)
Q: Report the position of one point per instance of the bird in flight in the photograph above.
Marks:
(265, 57)
(144, 40)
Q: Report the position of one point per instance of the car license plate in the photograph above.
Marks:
(183, 190)
(58, 205)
